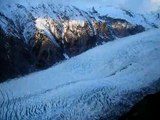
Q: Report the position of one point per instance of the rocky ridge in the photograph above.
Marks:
(53, 33)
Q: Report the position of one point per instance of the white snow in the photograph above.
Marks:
(21, 16)
(145, 19)
(66, 56)
(43, 25)
(95, 83)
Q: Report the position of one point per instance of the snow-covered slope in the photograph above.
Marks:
(102, 82)
(19, 18)
(148, 20)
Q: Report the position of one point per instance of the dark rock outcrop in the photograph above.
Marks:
(146, 109)
(45, 52)
(122, 28)
(15, 58)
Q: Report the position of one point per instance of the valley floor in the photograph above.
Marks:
(103, 82)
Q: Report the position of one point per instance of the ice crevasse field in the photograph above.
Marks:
(105, 81)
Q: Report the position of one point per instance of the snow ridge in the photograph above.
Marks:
(20, 18)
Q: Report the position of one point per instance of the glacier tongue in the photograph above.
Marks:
(97, 83)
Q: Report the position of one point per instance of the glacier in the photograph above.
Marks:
(103, 82)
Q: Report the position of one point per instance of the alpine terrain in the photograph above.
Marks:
(62, 61)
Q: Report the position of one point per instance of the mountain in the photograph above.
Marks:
(103, 82)
(51, 32)
(69, 60)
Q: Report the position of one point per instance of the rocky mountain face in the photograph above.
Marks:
(34, 38)
(15, 57)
